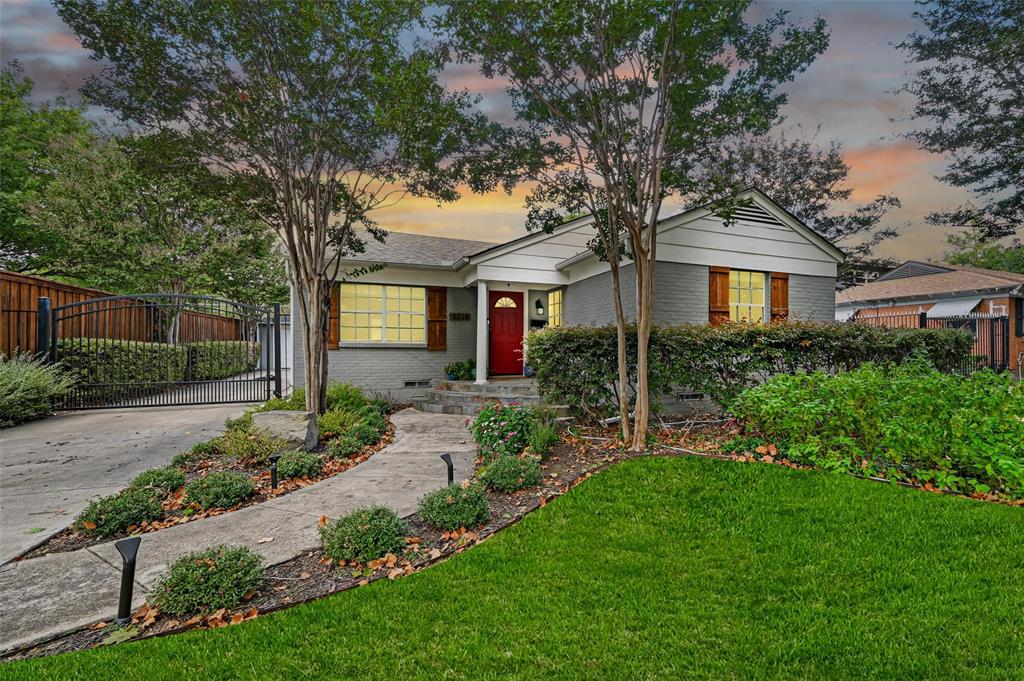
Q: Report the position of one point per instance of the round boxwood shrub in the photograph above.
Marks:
(298, 464)
(344, 447)
(220, 489)
(205, 581)
(455, 506)
(114, 514)
(163, 481)
(364, 535)
(511, 473)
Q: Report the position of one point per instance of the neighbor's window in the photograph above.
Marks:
(371, 313)
(555, 308)
(746, 296)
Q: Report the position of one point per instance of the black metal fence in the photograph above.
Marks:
(163, 350)
(991, 333)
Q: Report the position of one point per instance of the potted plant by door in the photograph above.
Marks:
(453, 369)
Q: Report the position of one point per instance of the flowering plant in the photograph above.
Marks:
(502, 429)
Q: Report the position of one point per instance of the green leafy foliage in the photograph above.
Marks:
(906, 422)
(455, 507)
(246, 445)
(543, 436)
(577, 365)
(163, 481)
(502, 429)
(512, 473)
(114, 514)
(364, 535)
(220, 489)
(299, 464)
(27, 386)
(462, 371)
(205, 581)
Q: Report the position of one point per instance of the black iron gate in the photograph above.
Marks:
(162, 350)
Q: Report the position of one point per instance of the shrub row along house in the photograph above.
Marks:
(990, 303)
(434, 300)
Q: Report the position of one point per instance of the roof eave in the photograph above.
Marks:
(963, 293)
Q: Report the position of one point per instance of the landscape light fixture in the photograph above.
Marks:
(447, 458)
(273, 470)
(129, 550)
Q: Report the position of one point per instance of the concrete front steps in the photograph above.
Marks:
(468, 397)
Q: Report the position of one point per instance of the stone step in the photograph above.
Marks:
(454, 404)
(517, 386)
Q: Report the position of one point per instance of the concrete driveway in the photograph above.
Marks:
(50, 469)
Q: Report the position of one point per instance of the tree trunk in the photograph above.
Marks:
(642, 407)
(313, 302)
(620, 340)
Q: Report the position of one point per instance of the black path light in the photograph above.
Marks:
(129, 550)
(447, 458)
(273, 470)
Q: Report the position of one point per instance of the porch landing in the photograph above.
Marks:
(468, 397)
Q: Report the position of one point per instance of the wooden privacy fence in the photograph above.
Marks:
(123, 319)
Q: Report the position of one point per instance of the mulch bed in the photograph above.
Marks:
(311, 575)
(177, 512)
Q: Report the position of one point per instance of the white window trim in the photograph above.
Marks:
(383, 343)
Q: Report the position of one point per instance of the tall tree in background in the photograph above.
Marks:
(809, 181)
(27, 132)
(970, 96)
(626, 99)
(972, 247)
(132, 215)
(319, 108)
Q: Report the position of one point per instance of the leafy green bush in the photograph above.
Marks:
(163, 481)
(27, 386)
(299, 464)
(502, 429)
(345, 396)
(462, 371)
(210, 360)
(294, 402)
(454, 507)
(206, 581)
(114, 514)
(250, 447)
(512, 473)
(336, 422)
(543, 437)
(220, 489)
(577, 366)
(364, 535)
(343, 447)
(905, 422)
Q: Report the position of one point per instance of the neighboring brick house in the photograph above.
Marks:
(945, 292)
(430, 300)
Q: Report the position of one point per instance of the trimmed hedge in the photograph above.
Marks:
(364, 535)
(206, 581)
(577, 366)
(112, 361)
(27, 385)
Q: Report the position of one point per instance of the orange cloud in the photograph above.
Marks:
(884, 169)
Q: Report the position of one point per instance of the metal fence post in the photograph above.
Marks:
(922, 320)
(277, 349)
(43, 327)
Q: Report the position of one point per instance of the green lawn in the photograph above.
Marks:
(658, 568)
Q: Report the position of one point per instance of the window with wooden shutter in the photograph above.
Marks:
(718, 290)
(334, 318)
(780, 296)
(437, 319)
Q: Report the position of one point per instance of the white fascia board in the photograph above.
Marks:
(527, 240)
(542, 278)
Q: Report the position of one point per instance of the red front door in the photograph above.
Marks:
(506, 332)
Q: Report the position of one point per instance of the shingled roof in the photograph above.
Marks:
(955, 279)
(404, 248)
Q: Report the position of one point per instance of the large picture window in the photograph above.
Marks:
(746, 296)
(555, 307)
(371, 313)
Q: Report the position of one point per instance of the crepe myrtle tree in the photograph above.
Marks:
(627, 99)
(323, 110)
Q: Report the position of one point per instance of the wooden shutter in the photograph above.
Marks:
(718, 287)
(437, 318)
(780, 296)
(334, 318)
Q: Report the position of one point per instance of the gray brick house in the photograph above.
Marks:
(436, 300)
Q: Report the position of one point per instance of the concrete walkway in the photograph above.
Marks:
(46, 596)
(50, 469)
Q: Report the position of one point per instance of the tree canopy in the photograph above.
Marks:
(969, 86)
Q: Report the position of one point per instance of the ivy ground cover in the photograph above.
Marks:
(657, 568)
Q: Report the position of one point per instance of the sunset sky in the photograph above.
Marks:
(848, 92)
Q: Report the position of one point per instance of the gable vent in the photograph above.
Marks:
(756, 214)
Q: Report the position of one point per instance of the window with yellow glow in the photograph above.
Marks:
(555, 308)
(371, 313)
(746, 296)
